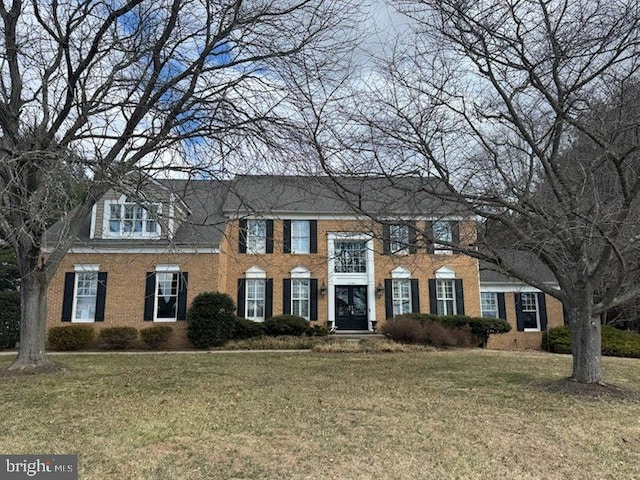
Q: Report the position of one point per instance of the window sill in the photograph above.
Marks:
(532, 330)
(165, 320)
(82, 321)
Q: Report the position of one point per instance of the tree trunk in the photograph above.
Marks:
(586, 343)
(33, 322)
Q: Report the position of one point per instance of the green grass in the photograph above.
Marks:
(454, 414)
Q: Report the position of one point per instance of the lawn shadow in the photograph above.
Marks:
(49, 368)
(595, 391)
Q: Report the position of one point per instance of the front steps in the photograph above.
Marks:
(355, 335)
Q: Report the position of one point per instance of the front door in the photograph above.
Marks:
(351, 307)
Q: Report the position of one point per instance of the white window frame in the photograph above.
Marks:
(146, 218)
(401, 296)
(252, 303)
(399, 239)
(305, 299)
(438, 227)
(536, 309)
(300, 236)
(80, 271)
(484, 302)
(363, 253)
(162, 271)
(444, 299)
(255, 240)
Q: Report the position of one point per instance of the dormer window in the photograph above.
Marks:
(125, 218)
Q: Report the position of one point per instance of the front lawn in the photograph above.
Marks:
(454, 414)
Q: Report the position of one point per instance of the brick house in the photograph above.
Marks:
(280, 244)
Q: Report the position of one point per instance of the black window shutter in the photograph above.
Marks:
(242, 291)
(433, 298)
(101, 296)
(388, 298)
(268, 300)
(67, 297)
(242, 238)
(413, 245)
(313, 299)
(415, 296)
(386, 239)
(429, 239)
(459, 296)
(519, 319)
(542, 311)
(183, 285)
(455, 232)
(286, 233)
(269, 241)
(286, 296)
(149, 296)
(502, 311)
(313, 236)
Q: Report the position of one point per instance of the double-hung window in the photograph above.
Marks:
(166, 300)
(300, 236)
(401, 296)
(529, 306)
(86, 292)
(399, 239)
(255, 300)
(300, 297)
(256, 239)
(489, 304)
(446, 297)
(442, 232)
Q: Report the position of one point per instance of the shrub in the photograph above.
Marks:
(243, 328)
(286, 325)
(427, 331)
(9, 318)
(117, 338)
(620, 343)
(70, 337)
(317, 331)
(210, 319)
(479, 327)
(557, 340)
(616, 343)
(157, 336)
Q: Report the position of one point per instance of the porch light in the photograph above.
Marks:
(379, 290)
(323, 289)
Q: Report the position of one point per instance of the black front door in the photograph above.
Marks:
(351, 307)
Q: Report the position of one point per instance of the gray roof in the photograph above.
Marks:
(524, 261)
(203, 226)
(374, 196)
(210, 203)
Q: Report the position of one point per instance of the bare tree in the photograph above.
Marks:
(528, 112)
(118, 91)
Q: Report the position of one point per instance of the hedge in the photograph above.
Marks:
(615, 342)
(286, 325)
(157, 336)
(71, 337)
(117, 338)
(481, 327)
(244, 329)
(9, 318)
